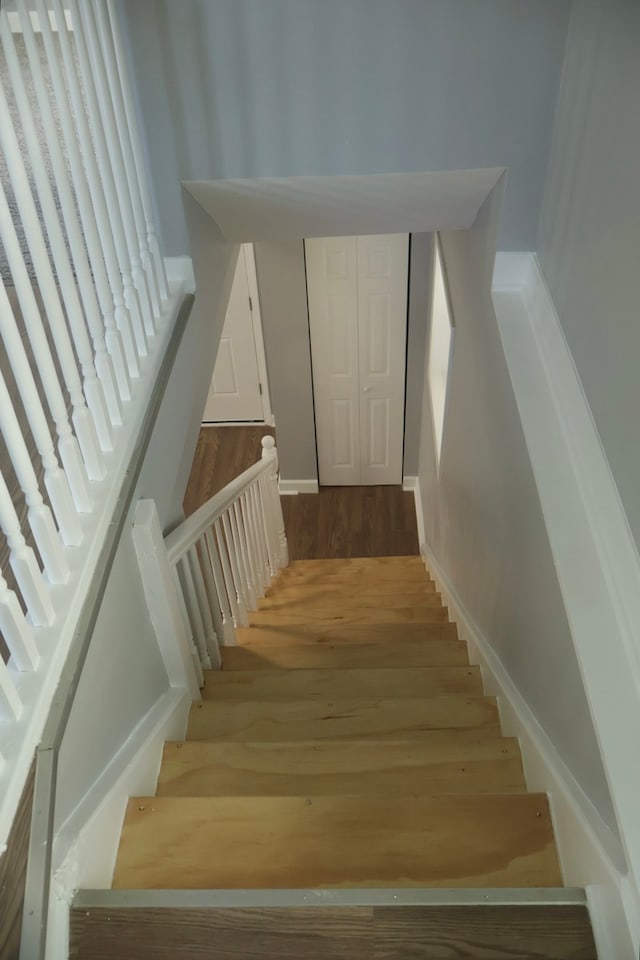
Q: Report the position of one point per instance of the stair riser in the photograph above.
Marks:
(345, 656)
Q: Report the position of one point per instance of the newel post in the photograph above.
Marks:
(270, 452)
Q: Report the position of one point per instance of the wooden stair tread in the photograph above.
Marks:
(329, 932)
(357, 587)
(343, 655)
(301, 634)
(394, 682)
(334, 600)
(450, 761)
(328, 841)
(339, 614)
(356, 717)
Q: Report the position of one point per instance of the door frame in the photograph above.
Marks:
(247, 252)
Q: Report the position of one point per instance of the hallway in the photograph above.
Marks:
(336, 522)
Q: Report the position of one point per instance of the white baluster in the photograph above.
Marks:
(102, 397)
(17, 633)
(187, 585)
(212, 597)
(92, 386)
(55, 479)
(269, 450)
(228, 634)
(232, 596)
(112, 69)
(10, 702)
(244, 555)
(247, 526)
(111, 165)
(101, 199)
(142, 172)
(243, 619)
(243, 583)
(33, 588)
(38, 513)
(211, 640)
(82, 420)
(259, 534)
(267, 520)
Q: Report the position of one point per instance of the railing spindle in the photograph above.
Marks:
(113, 168)
(114, 80)
(256, 580)
(101, 200)
(184, 575)
(228, 634)
(212, 596)
(82, 420)
(244, 555)
(243, 618)
(210, 639)
(59, 484)
(103, 393)
(10, 702)
(17, 633)
(142, 173)
(265, 513)
(226, 570)
(259, 536)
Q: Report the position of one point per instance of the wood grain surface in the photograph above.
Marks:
(366, 717)
(448, 761)
(327, 841)
(13, 872)
(335, 933)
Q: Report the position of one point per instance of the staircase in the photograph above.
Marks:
(344, 790)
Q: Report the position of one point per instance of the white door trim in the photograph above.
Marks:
(256, 316)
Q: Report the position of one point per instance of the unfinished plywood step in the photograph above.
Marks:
(345, 656)
(327, 841)
(554, 925)
(283, 600)
(364, 588)
(302, 633)
(338, 684)
(369, 717)
(351, 615)
(448, 761)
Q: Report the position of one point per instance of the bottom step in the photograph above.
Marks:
(490, 924)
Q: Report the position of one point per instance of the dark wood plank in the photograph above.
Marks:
(13, 871)
(315, 933)
(336, 522)
(546, 932)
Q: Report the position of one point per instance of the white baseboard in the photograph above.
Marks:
(288, 487)
(409, 483)
(587, 849)
(86, 845)
(180, 270)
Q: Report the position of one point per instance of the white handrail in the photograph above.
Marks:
(212, 561)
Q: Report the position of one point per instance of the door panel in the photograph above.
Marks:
(382, 328)
(357, 288)
(234, 394)
(333, 304)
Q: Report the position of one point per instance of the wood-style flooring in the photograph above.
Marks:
(336, 522)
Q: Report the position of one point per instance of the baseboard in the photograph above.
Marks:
(409, 483)
(85, 847)
(180, 270)
(590, 855)
(289, 487)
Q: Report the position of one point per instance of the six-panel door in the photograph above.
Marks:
(357, 289)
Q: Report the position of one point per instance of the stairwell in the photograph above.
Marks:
(344, 790)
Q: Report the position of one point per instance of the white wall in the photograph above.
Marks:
(483, 519)
(588, 239)
(272, 88)
(124, 675)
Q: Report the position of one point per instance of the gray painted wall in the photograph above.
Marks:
(124, 674)
(588, 241)
(282, 290)
(258, 88)
(484, 522)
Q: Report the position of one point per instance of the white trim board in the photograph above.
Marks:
(595, 555)
(290, 487)
(586, 847)
(86, 845)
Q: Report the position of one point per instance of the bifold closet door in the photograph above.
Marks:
(357, 289)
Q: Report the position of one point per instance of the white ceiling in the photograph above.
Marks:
(295, 207)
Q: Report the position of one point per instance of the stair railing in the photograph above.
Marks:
(83, 307)
(203, 579)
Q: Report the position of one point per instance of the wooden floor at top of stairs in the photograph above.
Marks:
(492, 932)
(328, 841)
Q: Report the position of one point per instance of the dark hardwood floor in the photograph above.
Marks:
(336, 522)
(13, 871)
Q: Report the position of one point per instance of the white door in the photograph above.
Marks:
(237, 391)
(357, 288)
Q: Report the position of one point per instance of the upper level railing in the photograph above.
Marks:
(202, 580)
(84, 310)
